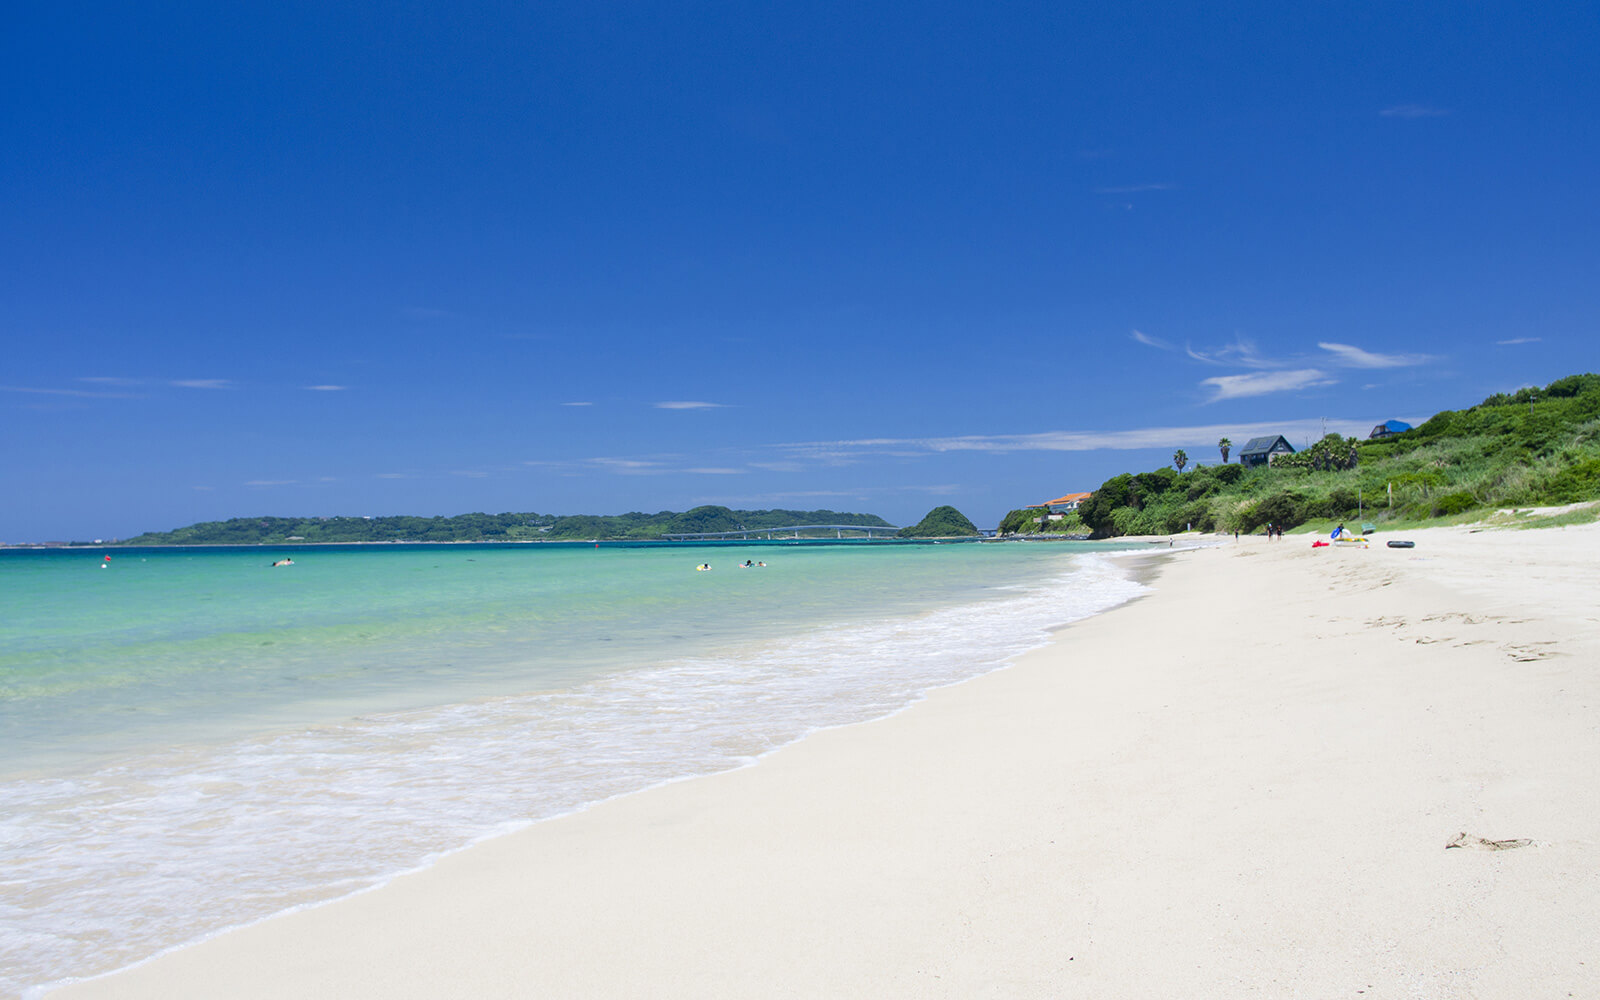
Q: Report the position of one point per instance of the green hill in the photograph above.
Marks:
(941, 522)
(1534, 447)
(492, 527)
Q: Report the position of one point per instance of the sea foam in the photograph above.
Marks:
(110, 867)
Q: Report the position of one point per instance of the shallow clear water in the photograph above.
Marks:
(190, 740)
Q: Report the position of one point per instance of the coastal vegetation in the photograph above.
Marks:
(479, 527)
(1534, 447)
(941, 522)
(1039, 521)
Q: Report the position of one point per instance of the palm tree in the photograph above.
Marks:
(1180, 458)
(1224, 444)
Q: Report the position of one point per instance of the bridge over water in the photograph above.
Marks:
(792, 531)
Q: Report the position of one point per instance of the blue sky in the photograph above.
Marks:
(306, 259)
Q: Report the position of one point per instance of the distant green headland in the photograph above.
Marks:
(494, 527)
(1534, 447)
(941, 522)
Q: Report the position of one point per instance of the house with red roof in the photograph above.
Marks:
(1061, 505)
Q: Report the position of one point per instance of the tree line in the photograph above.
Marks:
(480, 527)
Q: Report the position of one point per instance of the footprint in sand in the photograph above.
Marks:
(1469, 842)
(1527, 652)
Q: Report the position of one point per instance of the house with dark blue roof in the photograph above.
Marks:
(1262, 450)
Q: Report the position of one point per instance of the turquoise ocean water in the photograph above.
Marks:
(191, 739)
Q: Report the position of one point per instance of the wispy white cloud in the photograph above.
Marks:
(652, 465)
(626, 466)
(841, 454)
(1134, 188)
(819, 493)
(325, 388)
(788, 496)
(1413, 111)
(1194, 436)
(1264, 383)
(80, 393)
(1277, 375)
(1149, 341)
(271, 482)
(1354, 357)
(111, 380)
(1240, 352)
(202, 383)
(1519, 340)
(577, 404)
(394, 475)
(864, 493)
(689, 405)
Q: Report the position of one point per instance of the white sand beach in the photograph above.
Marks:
(1242, 784)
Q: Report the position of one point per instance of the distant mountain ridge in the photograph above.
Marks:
(477, 527)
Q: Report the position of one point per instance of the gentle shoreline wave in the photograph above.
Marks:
(254, 829)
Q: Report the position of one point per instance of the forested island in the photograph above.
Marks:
(941, 522)
(527, 527)
(1533, 447)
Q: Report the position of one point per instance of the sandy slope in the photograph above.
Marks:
(1241, 785)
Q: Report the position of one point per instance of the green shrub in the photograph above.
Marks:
(1023, 521)
(1283, 509)
(1574, 483)
(1124, 521)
